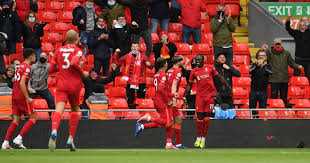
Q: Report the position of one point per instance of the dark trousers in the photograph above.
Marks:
(229, 101)
(47, 95)
(146, 35)
(306, 68)
(105, 64)
(130, 93)
(228, 52)
(282, 87)
(2, 65)
(11, 46)
(191, 100)
(260, 97)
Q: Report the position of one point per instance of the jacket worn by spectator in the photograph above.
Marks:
(24, 6)
(39, 76)
(260, 77)
(280, 62)
(31, 36)
(122, 38)
(112, 12)
(9, 25)
(80, 13)
(160, 10)
(101, 48)
(222, 32)
(226, 74)
(102, 3)
(172, 49)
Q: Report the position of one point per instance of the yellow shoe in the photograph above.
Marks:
(202, 144)
(197, 143)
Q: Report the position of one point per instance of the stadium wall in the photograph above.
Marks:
(121, 134)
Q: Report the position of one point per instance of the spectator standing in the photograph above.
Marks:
(164, 49)
(222, 28)
(100, 41)
(22, 8)
(9, 24)
(8, 77)
(175, 11)
(227, 72)
(279, 60)
(3, 38)
(102, 3)
(190, 13)
(139, 11)
(260, 72)
(135, 73)
(302, 42)
(32, 31)
(84, 18)
(121, 34)
(38, 85)
(111, 13)
(159, 14)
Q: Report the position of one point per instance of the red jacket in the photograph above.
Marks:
(190, 12)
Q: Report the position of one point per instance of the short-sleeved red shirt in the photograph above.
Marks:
(173, 74)
(22, 70)
(160, 82)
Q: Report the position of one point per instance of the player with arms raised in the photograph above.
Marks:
(67, 61)
(204, 97)
(160, 102)
(21, 101)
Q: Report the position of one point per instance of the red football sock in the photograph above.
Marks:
(11, 130)
(73, 123)
(151, 125)
(169, 133)
(177, 132)
(199, 126)
(159, 121)
(27, 127)
(206, 126)
(56, 120)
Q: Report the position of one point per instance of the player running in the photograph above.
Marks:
(161, 104)
(67, 61)
(21, 101)
(204, 96)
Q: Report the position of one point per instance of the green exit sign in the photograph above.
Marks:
(283, 9)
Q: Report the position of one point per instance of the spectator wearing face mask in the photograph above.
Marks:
(222, 28)
(121, 34)
(302, 44)
(9, 24)
(85, 19)
(111, 13)
(32, 31)
(100, 41)
(279, 60)
(38, 81)
(8, 77)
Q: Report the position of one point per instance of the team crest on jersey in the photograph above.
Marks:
(27, 70)
(179, 75)
(206, 69)
(164, 79)
(198, 78)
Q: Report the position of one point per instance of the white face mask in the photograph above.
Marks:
(119, 25)
(100, 27)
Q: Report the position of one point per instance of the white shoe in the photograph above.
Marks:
(6, 146)
(70, 144)
(19, 143)
(52, 142)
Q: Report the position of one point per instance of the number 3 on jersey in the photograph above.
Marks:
(66, 60)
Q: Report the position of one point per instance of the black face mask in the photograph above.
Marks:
(220, 12)
(7, 10)
(42, 60)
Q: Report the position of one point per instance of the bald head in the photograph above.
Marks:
(71, 37)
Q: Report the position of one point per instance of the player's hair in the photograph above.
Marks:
(99, 17)
(71, 37)
(121, 15)
(260, 51)
(220, 55)
(89, 0)
(160, 62)
(176, 59)
(28, 52)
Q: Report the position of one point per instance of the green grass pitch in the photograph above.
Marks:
(228, 155)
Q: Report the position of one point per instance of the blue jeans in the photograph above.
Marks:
(188, 31)
(38, 52)
(45, 94)
(175, 4)
(84, 37)
(164, 24)
(260, 97)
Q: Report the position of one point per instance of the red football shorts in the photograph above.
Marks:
(175, 111)
(72, 96)
(21, 107)
(204, 104)
(165, 114)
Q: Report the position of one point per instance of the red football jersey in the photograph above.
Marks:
(67, 60)
(22, 70)
(204, 79)
(174, 74)
(160, 82)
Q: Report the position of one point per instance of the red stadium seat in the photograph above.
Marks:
(295, 92)
(42, 115)
(286, 114)
(173, 37)
(118, 103)
(175, 27)
(53, 5)
(118, 92)
(65, 16)
(275, 103)
(69, 5)
(303, 114)
(150, 92)
(46, 16)
(300, 103)
(267, 114)
(299, 81)
(241, 103)
(209, 59)
(128, 15)
(41, 5)
(242, 114)
(203, 49)
(47, 47)
(149, 82)
(241, 48)
(131, 115)
(145, 104)
(212, 8)
(39, 104)
(183, 49)
(245, 70)
(60, 27)
(234, 7)
(155, 38)
(206, 28)
(241, 60)
(52, 37)
(239, 92)
(119, 82)
(241, 81)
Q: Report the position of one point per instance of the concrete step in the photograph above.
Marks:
(240, 34)
(242, 29)
(254, 50)
(251, 45)
(244, 2)
(242, 39)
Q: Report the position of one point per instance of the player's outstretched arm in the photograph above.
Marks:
(224, 82)
(23, 88)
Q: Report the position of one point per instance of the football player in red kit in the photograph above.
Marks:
(204, 96)
(160, 102)
(21, 102)
(67, 61)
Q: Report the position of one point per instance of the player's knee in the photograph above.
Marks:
(33, 120)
